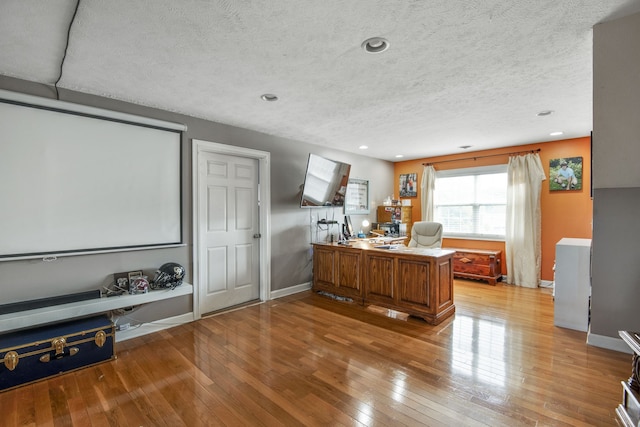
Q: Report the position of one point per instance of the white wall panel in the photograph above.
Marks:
(217, 259)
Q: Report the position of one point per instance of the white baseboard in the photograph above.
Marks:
(543, 283)
(546, 284)
(155, 326)
(610, 343)
(279, 293)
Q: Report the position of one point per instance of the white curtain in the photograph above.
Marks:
(522, 245)
(428, 188)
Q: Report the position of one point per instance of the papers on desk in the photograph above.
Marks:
(390, 247)
(388, 240)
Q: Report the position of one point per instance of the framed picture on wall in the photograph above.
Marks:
(565, 174)
(357, 198)
(409, 185)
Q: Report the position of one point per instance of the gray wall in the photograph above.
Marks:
(616, 178)
(290, 225)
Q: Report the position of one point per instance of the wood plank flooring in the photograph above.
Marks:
(307, 360)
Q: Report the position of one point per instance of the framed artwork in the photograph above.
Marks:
(409, 185)
(357, 198)
(565, 174)
(122, 281)
(134, 275)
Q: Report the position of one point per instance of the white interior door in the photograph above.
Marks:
(229, 230)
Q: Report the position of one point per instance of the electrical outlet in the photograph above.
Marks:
(124, 326)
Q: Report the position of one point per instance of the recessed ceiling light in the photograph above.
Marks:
(545, 113)
(269, 97)
(556, 133)
(363, 147)
(465, 147)
(375, 45)
(399, 156)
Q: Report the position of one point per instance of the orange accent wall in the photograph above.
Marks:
(564, 213)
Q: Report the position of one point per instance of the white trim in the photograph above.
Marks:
(279, 293)
(610, 343)
(264, 194)
(545, 283)
(155, 326)
(84, 109)
(224, 311)
(44, 315)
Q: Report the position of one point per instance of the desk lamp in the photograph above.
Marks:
(365, 223)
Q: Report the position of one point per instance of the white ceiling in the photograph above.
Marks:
(456, 73)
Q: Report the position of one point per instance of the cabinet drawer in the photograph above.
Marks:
(470, 258)
(479, 269)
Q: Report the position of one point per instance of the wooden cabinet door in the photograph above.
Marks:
(443, 283)
(338, 270)
(324, 268)
(414, 282)
(380, 277)
(384, 214)
(349, 264)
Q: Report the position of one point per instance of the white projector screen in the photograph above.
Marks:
(75, 183)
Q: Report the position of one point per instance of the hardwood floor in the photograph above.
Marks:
(309, 360)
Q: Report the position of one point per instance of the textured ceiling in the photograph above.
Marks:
(456, 73)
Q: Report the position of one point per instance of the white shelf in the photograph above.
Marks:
(39, 316)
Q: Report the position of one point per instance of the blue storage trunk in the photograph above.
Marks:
(50, 350)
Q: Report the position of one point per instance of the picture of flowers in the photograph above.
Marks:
(565, 174)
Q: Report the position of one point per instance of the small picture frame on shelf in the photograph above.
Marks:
(122, 281)
(132, 275)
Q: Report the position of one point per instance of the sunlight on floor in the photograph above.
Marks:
(478, 349)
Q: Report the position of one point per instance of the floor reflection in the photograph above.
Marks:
(479, 349)
(365, 414)
(399, 386)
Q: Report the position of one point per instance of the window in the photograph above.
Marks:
(472, 203)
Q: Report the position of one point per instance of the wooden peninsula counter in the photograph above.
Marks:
(412, 280)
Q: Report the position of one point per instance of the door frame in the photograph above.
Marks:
(264, 200)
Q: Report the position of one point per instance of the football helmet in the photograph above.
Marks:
(169, 275)
(139, 285)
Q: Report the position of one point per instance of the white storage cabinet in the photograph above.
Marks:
(572, 284)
